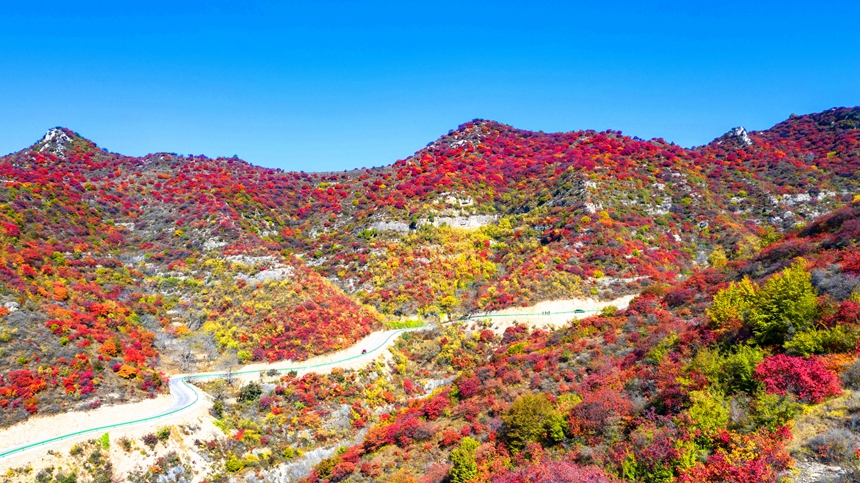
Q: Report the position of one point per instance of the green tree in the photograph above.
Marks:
(465, 468)
(784, 305)
(737, 372)
(526, 420)
(732, 303)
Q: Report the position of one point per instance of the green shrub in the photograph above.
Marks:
(556, 427)
(5, 335)
(217, 410)
(785, 304)
(325, 467)
(717, 258)
(163, 433)
(732, 303)
(823, 341)
(729, 373)
(70, 478)
(234, 464)
(250, 392)
(404, 324)
(105, 441)
(737, 370)
(773, 410)
(463, 458)
(526, 420)
(709, 411)
(517, 348)
(708, 362)
(659, 351)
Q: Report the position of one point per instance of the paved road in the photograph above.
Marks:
(186, 396)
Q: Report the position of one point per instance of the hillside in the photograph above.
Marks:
(118, 269)
(746, 372)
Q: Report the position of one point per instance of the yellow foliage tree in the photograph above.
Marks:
(127, 372)
(732, 303)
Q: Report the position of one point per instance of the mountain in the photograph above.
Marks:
(117, 269)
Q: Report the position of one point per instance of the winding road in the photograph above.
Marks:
(186, 396)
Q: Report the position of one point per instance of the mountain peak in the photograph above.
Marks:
(57, 140)
(61, 140)
(738, 137)
(741, 134)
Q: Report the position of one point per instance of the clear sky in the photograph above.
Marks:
(325, 85)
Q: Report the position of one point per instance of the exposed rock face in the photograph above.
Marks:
(56, 140)
(812, 472)
(471, 222)
(467, 222)
(741, 133)
(397, 226)
(737, 137)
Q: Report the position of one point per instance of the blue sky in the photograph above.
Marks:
(324, 85)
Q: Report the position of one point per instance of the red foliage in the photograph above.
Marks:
(759, 457)
(433, 408)
(402, 432)
(468, 387)
(342, 470)
(807, 379)
(376, 437)
(450, 438)
(597, 409)
(555, 472)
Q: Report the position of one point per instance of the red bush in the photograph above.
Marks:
(450, 438)
(596, 409)
(807, 379)
(434, 407)
(555, 472)
(468, 387)
(342, 470)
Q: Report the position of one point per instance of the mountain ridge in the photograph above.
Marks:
(848, 115)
